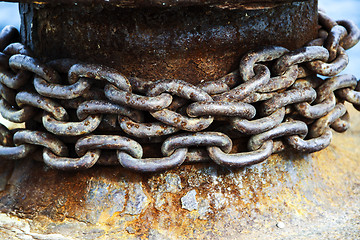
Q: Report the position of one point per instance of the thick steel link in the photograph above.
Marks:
(301, 55)
(261, 78)
(204, 139)
(288, 97)
(333, 84)
(214, 87)
(182, 122)
(18, 152)
(61, 128)
(283, 82)
(333, 68)
(136, 101)
(61, 91)
(318, 110)
(41, 139)
(240, 109)
(241, 159)
(23, 62)
(8, 35)
(105, 107)
(38, 101)
(341, 124)
(93, 142)
(15, 115)
(259, 125)
(17, 48)
(152, 164)
(184, 90)
(353, 36)
(14, 81)
(311, 145)
(319, 127)
(284, 129)
(67, 163)
(352, 96)
(145, 130)
(98, 72)
(332, 43)
(179, 88)
(249, 61)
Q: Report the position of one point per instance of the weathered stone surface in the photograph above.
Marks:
(189, 201)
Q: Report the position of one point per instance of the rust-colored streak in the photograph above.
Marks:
(189, 43)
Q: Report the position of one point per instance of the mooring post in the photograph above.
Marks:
(204, 189)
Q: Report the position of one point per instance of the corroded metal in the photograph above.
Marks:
(192, 201)
(186, 42)
(169, 102)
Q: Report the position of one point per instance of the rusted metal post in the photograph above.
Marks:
(187, 40)
(196, 41)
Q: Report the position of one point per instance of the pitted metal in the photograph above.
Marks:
(266, 54)
(67, 163)
(152, 164)
(97, 72)
(145, 130)
(284, 129)
(272, 100)
(252, 127)
(311, 145)
(241, 159)
(240, 109)
(288, 97)
(196, 139)
(353, 34)
(108, 142)
(56, 127)
(136, 101)
(17, 48)
(106, 107)
(301, 55)
(17, 115)
(27, 63)
(318, 110)
(320, 126)
(33, 99)
(61, 91)
(260, 79)
(335, 83)
(42, 139)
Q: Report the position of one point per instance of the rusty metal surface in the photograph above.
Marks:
(262, 92)
(194, 44)
(290, 196)
(313, 196)
(167, 3)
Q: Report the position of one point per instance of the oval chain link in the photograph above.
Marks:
(274, 97)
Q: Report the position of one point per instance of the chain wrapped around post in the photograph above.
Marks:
(274, 100)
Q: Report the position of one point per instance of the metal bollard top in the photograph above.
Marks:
(167, 3)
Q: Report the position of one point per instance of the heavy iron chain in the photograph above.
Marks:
(273, 101)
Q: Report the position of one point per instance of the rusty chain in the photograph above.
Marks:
(275, 100)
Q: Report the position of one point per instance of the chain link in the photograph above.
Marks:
(273, 101)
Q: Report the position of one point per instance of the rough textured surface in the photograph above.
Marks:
(165, 3)
(290, 196)
(194, 44)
